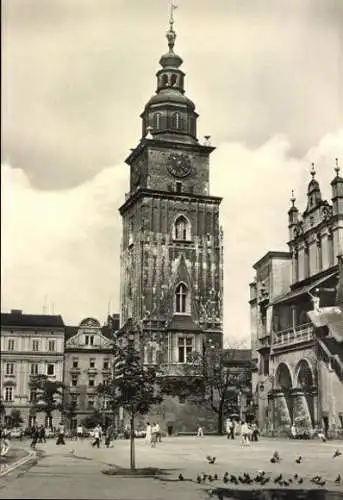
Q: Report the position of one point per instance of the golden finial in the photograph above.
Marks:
(337, 169)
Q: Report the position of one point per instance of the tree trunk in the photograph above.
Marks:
(132, 443)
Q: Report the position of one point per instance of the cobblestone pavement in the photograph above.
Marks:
(74, 470)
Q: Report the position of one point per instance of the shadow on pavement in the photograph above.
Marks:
(275, 494)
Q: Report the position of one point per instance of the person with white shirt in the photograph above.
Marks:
(96, 441)
(79, 431)
(245, 433)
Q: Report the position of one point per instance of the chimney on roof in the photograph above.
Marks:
(16, 312)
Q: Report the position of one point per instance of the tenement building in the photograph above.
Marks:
(297, 322)
(88, 363)
(171, 255)
(31, 344)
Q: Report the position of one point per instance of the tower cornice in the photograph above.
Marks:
(154, 193)
(163, 144)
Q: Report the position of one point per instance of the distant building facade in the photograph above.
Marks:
(300, 372)
(31, 344)
(238, 364)
(88, 363)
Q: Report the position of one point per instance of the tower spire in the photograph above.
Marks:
(171, 35)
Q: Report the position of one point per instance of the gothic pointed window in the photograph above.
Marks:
(181, 298)
(182, 228)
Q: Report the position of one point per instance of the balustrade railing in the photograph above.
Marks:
(301, 333)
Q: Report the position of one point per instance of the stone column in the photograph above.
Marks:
(281, 419)
(301, 409)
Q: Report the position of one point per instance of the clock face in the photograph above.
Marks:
(179, 165)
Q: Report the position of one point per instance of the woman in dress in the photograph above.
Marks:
(148, 433)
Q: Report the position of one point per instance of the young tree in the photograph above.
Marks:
(69, 410)
(132, 387)
(15, 419)
(49, 394)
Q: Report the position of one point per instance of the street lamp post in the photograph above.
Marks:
(269, 378)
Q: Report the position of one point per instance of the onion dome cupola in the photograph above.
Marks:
(169, 114)
(293, 217)
(293, 212)
(314, 195)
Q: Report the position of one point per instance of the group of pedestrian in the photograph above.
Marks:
(248, 431)
(153, 434)
(38, 435)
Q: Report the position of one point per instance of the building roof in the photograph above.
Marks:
(16, 318)
(239, 356)
(70, 331)
(273, 254)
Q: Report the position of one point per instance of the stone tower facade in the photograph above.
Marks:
(171, 253)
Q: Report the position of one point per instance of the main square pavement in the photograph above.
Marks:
(74, 470)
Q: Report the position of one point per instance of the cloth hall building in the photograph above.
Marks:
(297, 320)
(171, 255)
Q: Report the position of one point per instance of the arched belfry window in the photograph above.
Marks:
(157, 121)
(181, 299)
(173, 80)
(182, 229)
(176, 120)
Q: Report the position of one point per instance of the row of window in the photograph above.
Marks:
(35, 345)
(92, 363)
(10, 369)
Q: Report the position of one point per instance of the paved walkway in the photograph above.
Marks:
(74, 470)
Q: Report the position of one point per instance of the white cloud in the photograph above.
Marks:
(66, 244)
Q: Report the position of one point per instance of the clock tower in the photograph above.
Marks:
(171, 254)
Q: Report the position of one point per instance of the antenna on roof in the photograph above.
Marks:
(52, 308)
(45, 305)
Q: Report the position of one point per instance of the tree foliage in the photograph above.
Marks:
(15, 419)
(49, 394)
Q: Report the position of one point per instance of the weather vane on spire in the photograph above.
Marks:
(171, 35)
(337, 168)
(171, 17)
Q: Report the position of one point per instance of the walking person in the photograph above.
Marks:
(148, 433)
(153, 435)
(158, 433)
(254, 432)
(245, 434)
(96, 441)
(293, 431)
(79, 432)
(228, 428)
(200, 432)
(60, 437)
(35, 436)
(42, 434)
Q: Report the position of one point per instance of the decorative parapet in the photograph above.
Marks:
(291, 336)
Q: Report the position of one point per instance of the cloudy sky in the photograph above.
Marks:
(267, 79)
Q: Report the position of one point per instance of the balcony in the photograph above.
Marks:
(75, 370)
(292, 336)
(92, 370)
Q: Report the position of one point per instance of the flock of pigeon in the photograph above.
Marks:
(261, 478)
